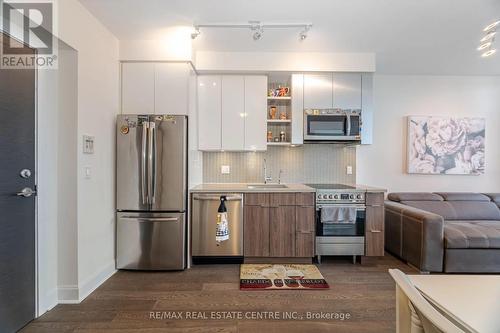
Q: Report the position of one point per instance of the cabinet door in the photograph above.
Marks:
(297, 109)
(374, 235)
(318, 91)
(255, 112)
(347, 91)
(171, 88)
(282, 231)
(233, 112)
(209, 112)
(304, 229)
(138, 86)
(256, 231)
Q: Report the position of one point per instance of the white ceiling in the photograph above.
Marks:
(408, 36)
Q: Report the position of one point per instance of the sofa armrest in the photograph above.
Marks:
(421, 236)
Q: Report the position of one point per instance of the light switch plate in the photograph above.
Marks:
(88, 172)
(349, 170)
(225, 169)
(88, 144)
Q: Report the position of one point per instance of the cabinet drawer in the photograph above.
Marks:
(374, 219)
(282, 199)
(342, 249)
(256, 199)
(374, 199)
(304, 199)
(374, 244)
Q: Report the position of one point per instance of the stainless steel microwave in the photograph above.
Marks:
(332, 125)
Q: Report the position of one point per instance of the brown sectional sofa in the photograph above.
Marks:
(445, 232)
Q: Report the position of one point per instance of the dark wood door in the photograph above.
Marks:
(282, 231)
(304, 228)
(256, 231)
(17, 218)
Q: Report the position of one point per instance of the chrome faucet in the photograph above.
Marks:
(266, 177)
(279, 177)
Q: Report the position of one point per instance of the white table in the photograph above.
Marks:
(473, 301)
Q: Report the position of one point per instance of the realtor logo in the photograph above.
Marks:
(28, 34)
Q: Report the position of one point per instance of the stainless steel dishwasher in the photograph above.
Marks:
(204, 221)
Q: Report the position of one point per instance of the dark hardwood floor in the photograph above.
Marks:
(124, 303)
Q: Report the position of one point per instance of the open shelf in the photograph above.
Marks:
(279, 143)
(272, 98)
(277, 121)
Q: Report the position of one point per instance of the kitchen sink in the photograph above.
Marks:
(261, 186)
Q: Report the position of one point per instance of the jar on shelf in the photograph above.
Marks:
(269, 136)
(273, 111)
(282, 136)
(283, 115)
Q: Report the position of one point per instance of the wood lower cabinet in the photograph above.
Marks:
(256, 231)
(374, 225)
(279, 225)
(304, 230)
(282, 231)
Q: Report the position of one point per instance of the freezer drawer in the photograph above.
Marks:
(204, 221)
(151, 241)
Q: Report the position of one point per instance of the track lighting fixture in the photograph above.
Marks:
(303, 33)
(486, 43)
(196, 32)
(257, 27)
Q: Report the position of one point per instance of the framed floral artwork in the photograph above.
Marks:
(446, 145)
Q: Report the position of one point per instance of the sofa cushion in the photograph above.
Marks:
(472, 235)
(474, 210)
(441, 208)
(463, 196)
(414, 196)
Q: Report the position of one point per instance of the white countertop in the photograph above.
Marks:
(243, 188)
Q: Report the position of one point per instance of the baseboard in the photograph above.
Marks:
(67, 294)
(72, 294)
(93, 282)
(48, 302)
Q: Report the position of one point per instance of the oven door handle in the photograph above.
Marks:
(358, 207)
(348, 116)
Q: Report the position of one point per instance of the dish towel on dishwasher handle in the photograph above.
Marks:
(338, 215)
(222, 228)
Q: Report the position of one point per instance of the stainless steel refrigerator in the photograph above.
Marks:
(151, 192)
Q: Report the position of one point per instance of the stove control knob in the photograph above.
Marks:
(336, 196)
(359, 196)
(351, 196)
(319, 196)
(325, 196)
(330, 196)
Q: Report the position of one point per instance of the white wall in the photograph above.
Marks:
(383, 164)
(98, 105)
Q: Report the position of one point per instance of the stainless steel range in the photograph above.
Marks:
(340, 220)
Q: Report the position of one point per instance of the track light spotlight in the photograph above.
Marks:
(196, 33)
(258, 34)
(303, 33)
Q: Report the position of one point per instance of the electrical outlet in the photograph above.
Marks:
(349, 170)
(225, 169)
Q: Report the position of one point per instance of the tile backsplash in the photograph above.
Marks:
(313, 163)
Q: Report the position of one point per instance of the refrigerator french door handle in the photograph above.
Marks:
(151, 219)
(151, 161)
(153, 194)
(145, 130)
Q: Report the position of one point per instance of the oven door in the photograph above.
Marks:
(342, 229)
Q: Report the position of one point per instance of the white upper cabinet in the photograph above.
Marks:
(138, 88)
(171, 88)
(155, 88)
(347, 91)
(297, 109)
(209, 112)
(255, 112)
(318, 91)
(233, 112)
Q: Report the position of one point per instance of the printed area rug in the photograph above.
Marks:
(281, 277)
